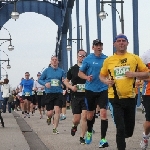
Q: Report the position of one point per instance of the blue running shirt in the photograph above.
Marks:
(54, 76)
(92, 65)
(27, 86)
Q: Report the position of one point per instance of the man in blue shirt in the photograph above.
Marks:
(52, 78)
(96, 92)
(26, 87)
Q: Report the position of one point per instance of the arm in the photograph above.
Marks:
(105, 80)
(1, 88)
(82, 75)
(42, 79)
(20, 88)
(139, 75)
(67, 81)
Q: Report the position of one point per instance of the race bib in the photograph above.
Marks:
(27, 93)
(39, 93)
(64, 92)
(119, 72)
(80, 87)
(33, 92)
(55, 82)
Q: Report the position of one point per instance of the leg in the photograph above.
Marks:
(56, 116)
(146, 125)
(118, 113)
(4, 104)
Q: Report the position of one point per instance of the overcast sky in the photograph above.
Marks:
(34, 37)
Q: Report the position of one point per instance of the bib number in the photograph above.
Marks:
(54, 82)
(64, 92)
(119, 72)
(27, 93)
(80, 87)
(39, 93)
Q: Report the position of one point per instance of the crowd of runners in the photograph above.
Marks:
(93, 85)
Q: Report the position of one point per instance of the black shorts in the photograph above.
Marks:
(34, 100)
(40, 100)
(96, 98)
(64, 99)
(29, 98)
(53, 99)
(146, 104)
(78, 104)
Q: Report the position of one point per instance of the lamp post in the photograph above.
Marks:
(69, 46)
(81, 35)
(10, 47)
(103, 14)
(5, 72)
(15, 14)
(8, 65)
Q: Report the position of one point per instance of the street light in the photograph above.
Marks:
(15, 14)
(69, 46)
(103, 14)
(8, 65)
(10, 47)
(5, 72)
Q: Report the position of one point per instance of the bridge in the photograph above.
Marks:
(60, 12)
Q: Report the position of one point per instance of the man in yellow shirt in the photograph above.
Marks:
(119, 72)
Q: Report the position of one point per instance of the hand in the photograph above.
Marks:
(89, 78)
(109, 82)
(35, 89)
(130, 74)
(74, 88)
(42, 88)
(48, 85)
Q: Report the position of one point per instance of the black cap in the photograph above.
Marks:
(97, 41)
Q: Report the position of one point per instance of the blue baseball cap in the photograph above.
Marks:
(39, 73)
(121, 36)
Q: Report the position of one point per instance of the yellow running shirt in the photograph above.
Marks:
(115, 67)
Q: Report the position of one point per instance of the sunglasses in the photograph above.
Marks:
(26, 75)
(81, 55)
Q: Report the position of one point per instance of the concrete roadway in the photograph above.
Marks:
(34, 134)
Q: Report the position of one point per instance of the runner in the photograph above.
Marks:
(52, 78)
(78, 96)
(96, 91)
(146, 103)
(119, 72)
(26, 89)
(40, 95)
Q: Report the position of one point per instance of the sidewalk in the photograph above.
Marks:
(34, 134)
(11, 137)
(64, 141)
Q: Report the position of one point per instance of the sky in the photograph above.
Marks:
(34, 37)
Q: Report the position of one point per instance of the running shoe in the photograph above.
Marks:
(144, 144)
(63, 117)
(55, 131)
(2, 124)
(28, 115)
(88, 138)
(73, 130)
(82, 140)
(25, 115)
(43, 112)
(48, 121)
(41, 116)
(103, 143)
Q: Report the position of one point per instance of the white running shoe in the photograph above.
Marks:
(144, 144)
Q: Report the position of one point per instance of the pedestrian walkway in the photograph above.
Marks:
(34, 134)
(11, 137)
